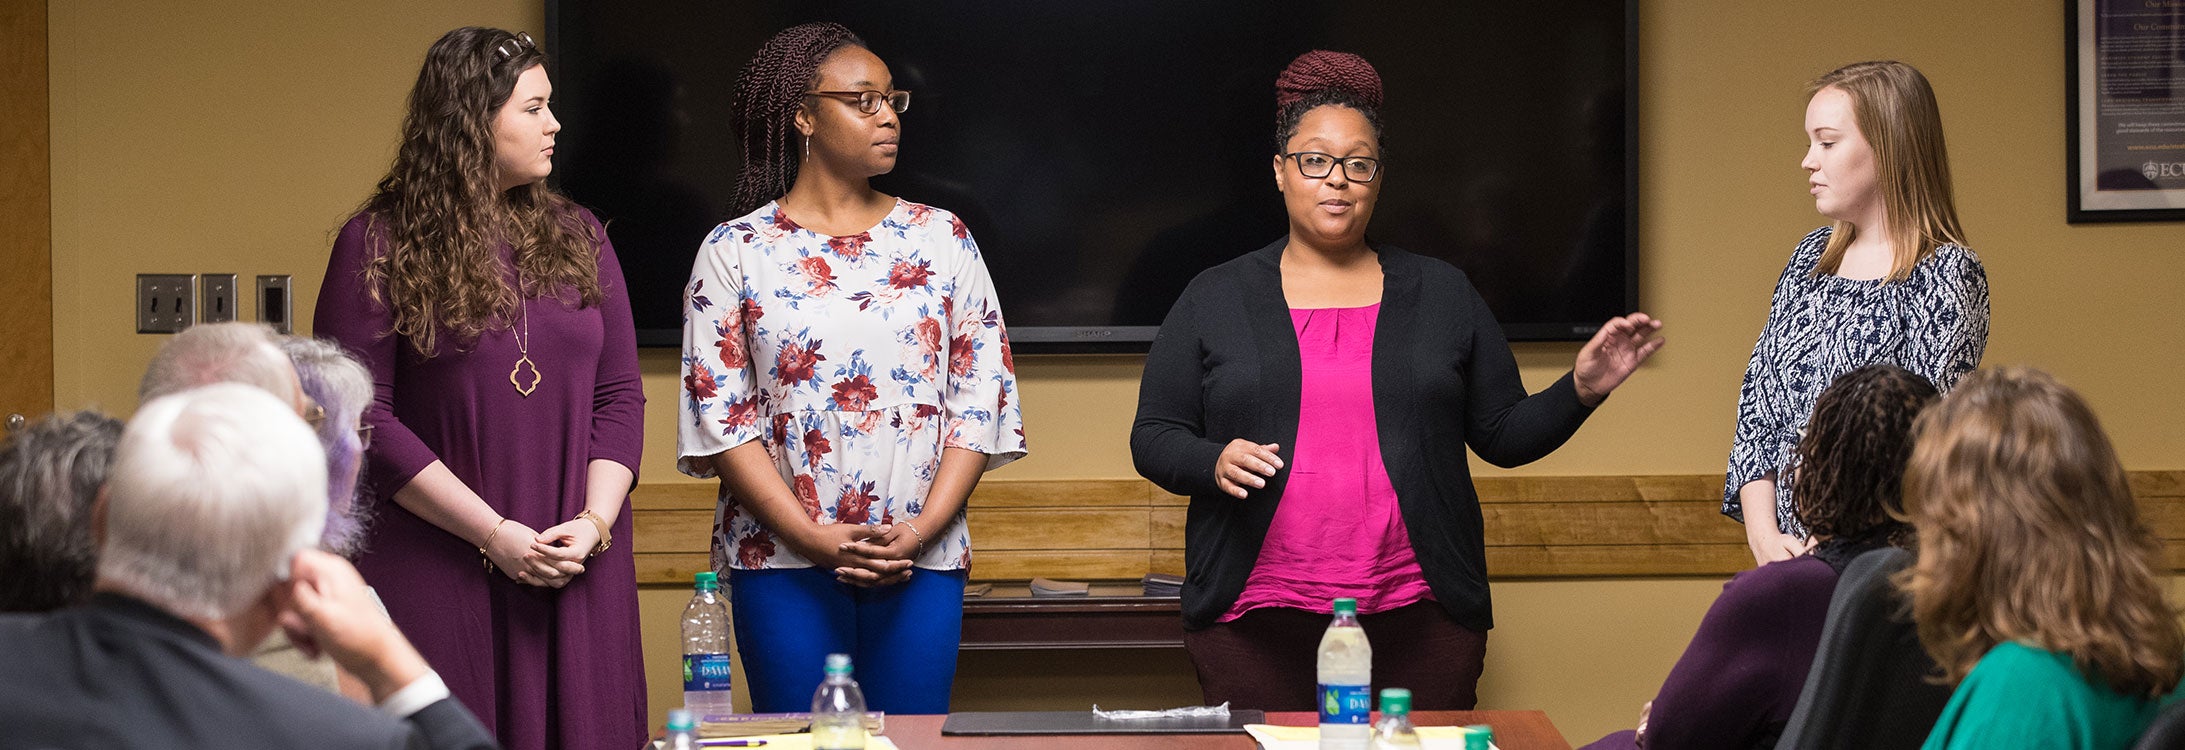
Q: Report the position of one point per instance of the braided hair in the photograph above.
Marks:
(1320, 78)
(763, 108)
(1850, 480)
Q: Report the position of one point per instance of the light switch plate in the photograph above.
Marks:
(274, 306)
(216, 297)
(166, 302)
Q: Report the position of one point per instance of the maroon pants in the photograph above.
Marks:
(1268, 658)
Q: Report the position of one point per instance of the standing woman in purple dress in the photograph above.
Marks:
(507, 408)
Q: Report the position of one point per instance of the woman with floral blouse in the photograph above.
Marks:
(847, 376)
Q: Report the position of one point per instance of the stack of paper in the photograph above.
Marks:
(787, 742)
(746, 725)
(1045, 587)
(1163, 584)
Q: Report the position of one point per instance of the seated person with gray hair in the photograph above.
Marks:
(50, 472)
(210, 526)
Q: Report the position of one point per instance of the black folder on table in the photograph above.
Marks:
(1085, 722)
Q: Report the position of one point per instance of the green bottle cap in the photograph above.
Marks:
(1346, 606)
(838, 664)
(1395, 702)
(707, 581)
(1478, 737)
(681, 720)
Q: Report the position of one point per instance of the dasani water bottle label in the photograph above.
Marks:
(1345, 704)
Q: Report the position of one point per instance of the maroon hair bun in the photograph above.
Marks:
(1321, 69)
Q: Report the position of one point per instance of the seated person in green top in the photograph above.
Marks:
(2035, 589)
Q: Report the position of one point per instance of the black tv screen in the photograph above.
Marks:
(1103, 153)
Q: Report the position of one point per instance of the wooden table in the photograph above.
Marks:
(1514, 730)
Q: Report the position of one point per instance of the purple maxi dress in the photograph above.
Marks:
(543, 668)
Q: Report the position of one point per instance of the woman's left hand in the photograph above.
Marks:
(571, 541)
(894, 542)
(1615, 352)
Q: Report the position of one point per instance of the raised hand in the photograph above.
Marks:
(1613, 354)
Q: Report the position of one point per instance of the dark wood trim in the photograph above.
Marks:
(26, 212)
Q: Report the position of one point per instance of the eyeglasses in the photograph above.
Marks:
(1317, 165)
(869, 102)
(512, 46)
(314, 414)
(364, 436)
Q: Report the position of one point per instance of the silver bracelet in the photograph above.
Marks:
(921, 535)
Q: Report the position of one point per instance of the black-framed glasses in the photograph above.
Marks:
(868, 101)
(511, 46)
(1317, 165)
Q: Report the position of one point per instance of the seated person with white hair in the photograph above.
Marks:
(233, 352)
(209, 531)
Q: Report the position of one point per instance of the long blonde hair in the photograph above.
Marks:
(1896, 112)
(2028, 532)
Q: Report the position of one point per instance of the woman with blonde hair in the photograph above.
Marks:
(2036, 587)
(1889, 281)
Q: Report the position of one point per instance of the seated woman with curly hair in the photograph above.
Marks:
(2035, 589)
(1737, 682)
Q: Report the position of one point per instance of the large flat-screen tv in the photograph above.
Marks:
(1103, 152)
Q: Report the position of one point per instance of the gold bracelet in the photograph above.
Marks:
(484, 558)
(921, 534)
(606, 538)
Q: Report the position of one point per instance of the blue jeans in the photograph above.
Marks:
(901, 639)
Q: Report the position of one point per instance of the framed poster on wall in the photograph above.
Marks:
(2125, 91)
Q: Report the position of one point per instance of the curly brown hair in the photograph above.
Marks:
(1850, 479)
(2028, 532)
(763, 109)
(442, 217)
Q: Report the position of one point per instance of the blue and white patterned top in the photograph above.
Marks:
(1934, 323)
(855, 360)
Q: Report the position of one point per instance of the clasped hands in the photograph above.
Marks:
(550, 558)
(866, 556)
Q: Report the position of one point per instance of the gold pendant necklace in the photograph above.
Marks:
(523, 348)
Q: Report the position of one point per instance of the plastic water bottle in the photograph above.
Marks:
(1479, 737)
(706, 673)
(838, 709)
(1346, 679)
(682, 731)
(1394, 732)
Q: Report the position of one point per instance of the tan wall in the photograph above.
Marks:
(234, 137)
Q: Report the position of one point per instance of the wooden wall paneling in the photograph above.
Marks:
(1536, 527)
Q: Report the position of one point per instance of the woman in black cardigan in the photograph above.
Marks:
(1395, 364)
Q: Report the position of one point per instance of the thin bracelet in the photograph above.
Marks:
(483, 558)
(921, 535)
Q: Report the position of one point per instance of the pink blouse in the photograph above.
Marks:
(1337, 531)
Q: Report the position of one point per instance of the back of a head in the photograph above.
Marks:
(50, 474)
(1850, 475)
(341, 386)
(235, 352)
(2029, 532)
(212, 491)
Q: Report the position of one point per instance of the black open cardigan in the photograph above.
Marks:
(1226, 366)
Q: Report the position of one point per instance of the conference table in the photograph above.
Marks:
(1514, 730)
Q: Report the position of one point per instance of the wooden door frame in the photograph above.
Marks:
(26, 211)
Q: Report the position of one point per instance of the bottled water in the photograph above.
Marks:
(706, 672)
(1480, 737)
(682, 731)
(1395, 732)
(838, 709)
(1346, 677)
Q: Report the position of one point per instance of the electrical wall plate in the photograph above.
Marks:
(274, 306)
(216, 297)
(166, 302)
